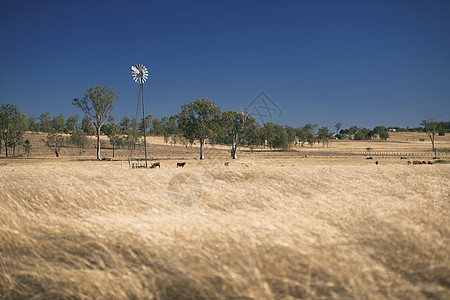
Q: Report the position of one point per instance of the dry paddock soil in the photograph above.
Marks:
(270, 225)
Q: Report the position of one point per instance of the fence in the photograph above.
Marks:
(397, 154)
(136, 163)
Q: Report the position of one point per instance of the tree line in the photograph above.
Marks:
(199, 121)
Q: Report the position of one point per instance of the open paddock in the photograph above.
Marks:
(260, 228)
(400, 144)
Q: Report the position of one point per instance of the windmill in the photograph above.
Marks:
(140, 75)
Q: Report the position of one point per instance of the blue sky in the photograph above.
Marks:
(362, 63)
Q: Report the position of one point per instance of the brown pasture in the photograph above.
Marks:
(270, 225)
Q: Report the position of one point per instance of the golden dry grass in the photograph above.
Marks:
(262, 228)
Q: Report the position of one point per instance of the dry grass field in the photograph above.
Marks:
(268, 226)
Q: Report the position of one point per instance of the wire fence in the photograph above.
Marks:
(375, 154)
(405, 154)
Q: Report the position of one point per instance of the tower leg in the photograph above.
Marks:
(143, 124)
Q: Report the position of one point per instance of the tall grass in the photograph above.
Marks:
(265, 229)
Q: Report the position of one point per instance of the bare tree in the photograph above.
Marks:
(97, 104)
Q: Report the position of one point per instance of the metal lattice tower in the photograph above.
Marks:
(140, 75)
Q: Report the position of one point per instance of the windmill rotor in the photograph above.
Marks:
(139, 73)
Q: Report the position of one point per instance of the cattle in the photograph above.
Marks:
(370, 157)
(417, 162)
(156, 164)
(181, 164)
(424, 162)
(430, 162)
(376, 162)
(409, 162)
(227, 164)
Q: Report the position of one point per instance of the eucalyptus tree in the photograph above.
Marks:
(114, 135)
(338, 127)
(33, 125)
(133, 134)
(9, 119)
(324, 135)
(268, 130)
(381, 131)
(27, 147)
(281, 139)
(384, 135)
(132, 139)
(170, 125)
(199, 120)
(306, 134)
(168, 128)
(253, 135)
(59, 123)
(125, 123)
(97, 104)
(45, 122)
(291, 134)
(78, 139)
(147, 122)
(157, 127)
(431, 127)
(72, 123)
(234, 125)
(16, 131)
(55, 142)
(86, 126)
(276, 136)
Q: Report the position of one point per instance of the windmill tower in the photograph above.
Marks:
(140, 75)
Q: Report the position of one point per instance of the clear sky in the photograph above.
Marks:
(363, 63)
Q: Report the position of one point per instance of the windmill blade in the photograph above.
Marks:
(134, 69)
